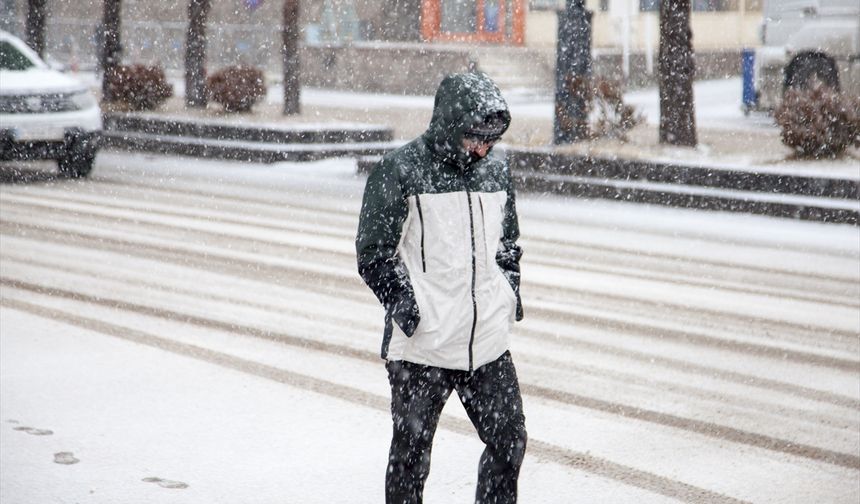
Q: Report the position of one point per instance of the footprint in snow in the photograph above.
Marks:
(35, 432)
(166, 483)
(65, 458)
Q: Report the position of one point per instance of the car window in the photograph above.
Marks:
(13, 59)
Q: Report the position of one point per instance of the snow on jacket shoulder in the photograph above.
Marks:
(437, 238)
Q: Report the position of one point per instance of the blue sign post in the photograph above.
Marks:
(749, 98)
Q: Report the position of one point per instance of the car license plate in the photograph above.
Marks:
(39, 133)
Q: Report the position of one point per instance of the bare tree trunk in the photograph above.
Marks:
(110, 52)
(572, 74)
(195, 54)
(677, 109)
(36, 10)
(292, 65)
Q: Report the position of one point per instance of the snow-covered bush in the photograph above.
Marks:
(140, 87)
(819, 121)
(615, 118)
(608, 115)
(237, 88)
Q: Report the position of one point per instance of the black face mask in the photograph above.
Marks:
(474, 157)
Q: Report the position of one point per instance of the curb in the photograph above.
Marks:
(822, 199)
(264, 133)
(260, 143)
(544, 161)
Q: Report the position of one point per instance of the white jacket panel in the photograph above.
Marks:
(436, 248)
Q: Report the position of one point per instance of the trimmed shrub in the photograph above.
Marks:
(237, 88)
(615, 118)
(819, 122)
(140, 87)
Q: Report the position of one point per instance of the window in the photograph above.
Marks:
(702, 5)
(459, 17)
(649, 5)
(13, 59)
(537, 5)
(485, 21)
(715, 5)
(753, 5)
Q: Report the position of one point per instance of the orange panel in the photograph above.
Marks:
(431, 16)
(519, 23)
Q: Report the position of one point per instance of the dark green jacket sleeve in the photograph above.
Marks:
(508, 256)
(383, 211)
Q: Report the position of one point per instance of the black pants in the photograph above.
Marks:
(491, 397)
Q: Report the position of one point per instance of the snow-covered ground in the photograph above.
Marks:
(200, 325)
(718, 104)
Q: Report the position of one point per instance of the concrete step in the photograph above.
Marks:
(823, 199)
(684, 196)
(513, 67)
(549, 161)
(237, 150)
(283, 133)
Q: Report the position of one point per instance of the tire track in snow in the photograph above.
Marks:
(644, 329)
(146, 182)
(790, 293)
(689, 280)
(622, 379)
(282, 307)
(542, 450)
(796, 293)
(130, 181)
(335, 287)
(785, 332)
(285, 221)
(673, 277)
(538, 361)
(665, 334)
(554, 244)
(708, 429)
(698, 369)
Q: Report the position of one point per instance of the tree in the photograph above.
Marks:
(36, 11)
(290, 49)
(110, 50)
(195, 54)
(677, 109)
(572, 73)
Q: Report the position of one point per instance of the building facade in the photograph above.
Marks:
(514, 40)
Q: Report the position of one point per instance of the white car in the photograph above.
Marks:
(45, 114)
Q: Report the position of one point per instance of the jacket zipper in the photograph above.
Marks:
(484, 228)
(421, 220)
(474, 298)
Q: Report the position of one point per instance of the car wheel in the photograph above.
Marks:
(77, 164)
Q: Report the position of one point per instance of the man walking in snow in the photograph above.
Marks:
(437, 245)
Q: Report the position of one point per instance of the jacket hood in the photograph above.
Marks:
(463, 101)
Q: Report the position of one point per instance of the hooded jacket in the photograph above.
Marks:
(437, 237)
